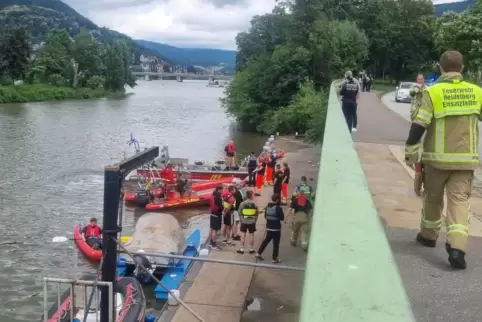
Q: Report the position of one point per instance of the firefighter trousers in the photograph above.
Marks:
(458, 186)
(301, 228)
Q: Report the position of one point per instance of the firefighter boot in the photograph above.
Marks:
(456, 257)
(426, 242)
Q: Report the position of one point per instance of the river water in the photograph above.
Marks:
(51, 174)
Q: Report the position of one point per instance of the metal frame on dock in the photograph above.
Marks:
(113, 178)
(108, 286)
(222, 261)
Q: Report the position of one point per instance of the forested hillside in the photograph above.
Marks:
(41, 16)
(193, 56)
(453, 6)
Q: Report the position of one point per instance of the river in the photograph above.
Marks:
(51, 175)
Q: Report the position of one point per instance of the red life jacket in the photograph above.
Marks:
(92, 231)
(301, 200)
(230, 148)
(168, 175)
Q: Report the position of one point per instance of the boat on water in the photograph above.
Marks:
(159, 234)
(191, 200)
(72, 305)
(199, 170)
(141, 197)
(86, 249)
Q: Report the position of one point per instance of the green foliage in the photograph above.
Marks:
(462, 32)
(350, 44)
(82, 62)
(284, 63)
(400, 33)
(96, 82)
(15, 52)
(45, 92)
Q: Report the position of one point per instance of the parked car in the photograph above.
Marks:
(402, 92)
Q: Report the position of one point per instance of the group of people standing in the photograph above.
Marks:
(235, 216)
(264, 171)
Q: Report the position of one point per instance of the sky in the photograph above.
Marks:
(182, 23)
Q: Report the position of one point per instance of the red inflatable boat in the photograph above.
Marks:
(88, 251)
(197, 199)
(196, 186)
(201, 199)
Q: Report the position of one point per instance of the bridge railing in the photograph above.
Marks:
(351, 273)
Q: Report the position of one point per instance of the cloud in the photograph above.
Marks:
(184, 23)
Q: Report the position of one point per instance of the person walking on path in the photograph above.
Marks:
(286, 181)
(349, 91)
(274, 217)
(248, 214)
(301, 206)
(450, 114)
(416, 94)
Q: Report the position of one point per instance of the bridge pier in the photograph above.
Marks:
(179, 78)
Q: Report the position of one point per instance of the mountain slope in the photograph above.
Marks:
(39, 16)
(453, 6)
(192, 56)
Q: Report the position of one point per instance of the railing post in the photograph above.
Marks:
(112, 186)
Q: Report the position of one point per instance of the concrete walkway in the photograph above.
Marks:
(436, 292)
(228, 293)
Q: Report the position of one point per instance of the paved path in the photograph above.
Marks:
(436, 292)
(377, 124)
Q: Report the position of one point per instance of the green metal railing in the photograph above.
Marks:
(351, 274)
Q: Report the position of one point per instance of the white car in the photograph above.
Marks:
(402, 93)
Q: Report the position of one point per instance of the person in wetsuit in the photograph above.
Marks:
(216, 206)
(181, 185)
(252, 163)
(278, 180)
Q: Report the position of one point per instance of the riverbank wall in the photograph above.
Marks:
(44, 92)
(228, 293)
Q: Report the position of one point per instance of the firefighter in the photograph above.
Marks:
(301, 206)
(450, 114)
(260, 175)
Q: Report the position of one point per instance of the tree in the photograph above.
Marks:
(115, 77)
(285, 60)
(400, 33)
(350, 45)
(15, 53)
(88, 54)
(462, 32)
(54, 58)
(266, 32)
